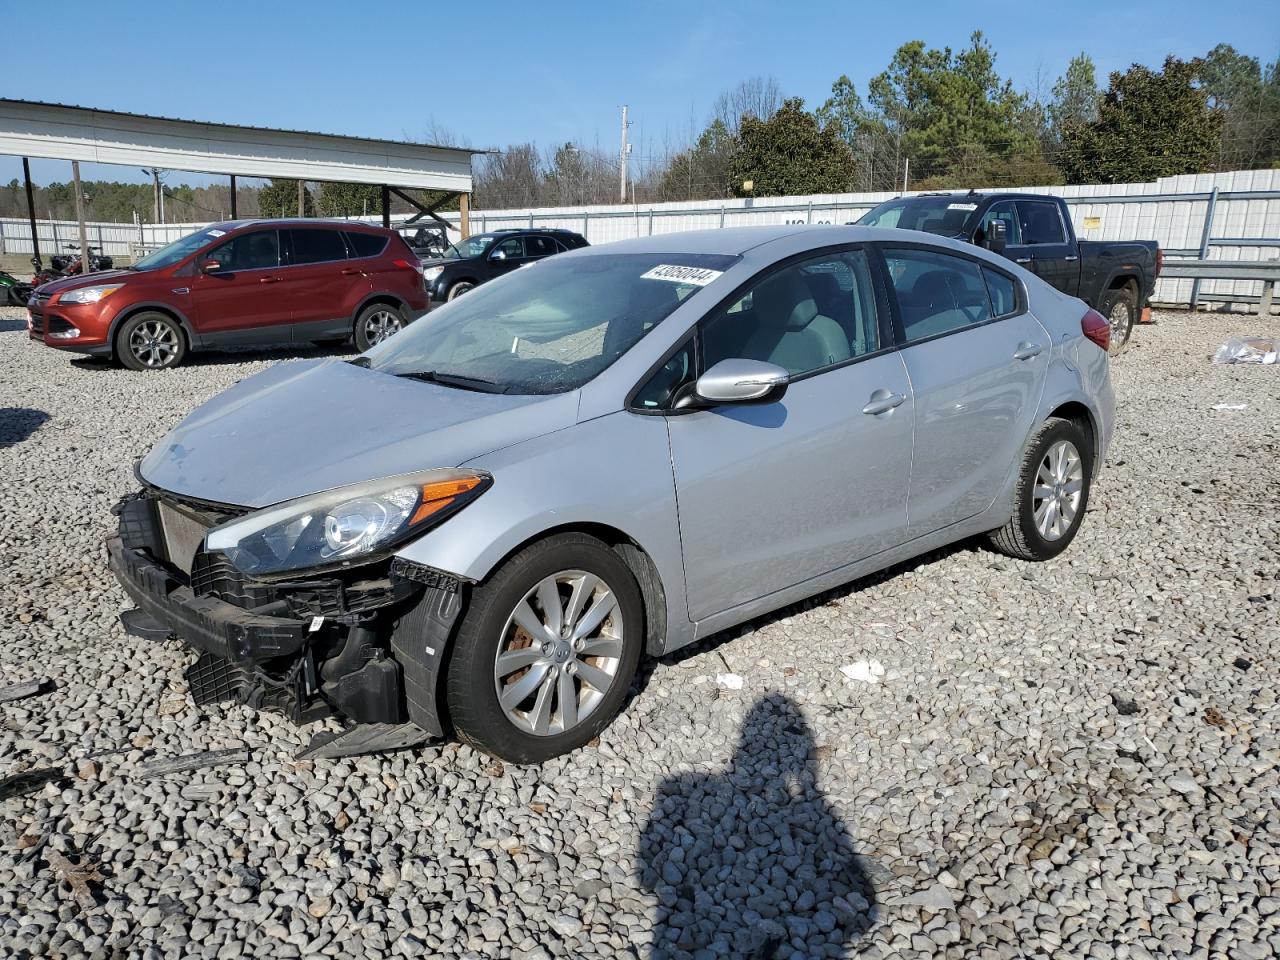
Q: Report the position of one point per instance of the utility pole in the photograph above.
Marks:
(906, 170)
(623, 155)
(84, 234)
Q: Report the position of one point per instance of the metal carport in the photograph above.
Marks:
(59, 132)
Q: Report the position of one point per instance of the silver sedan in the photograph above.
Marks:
(480, 525)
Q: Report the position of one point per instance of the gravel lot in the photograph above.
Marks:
(1070, 759)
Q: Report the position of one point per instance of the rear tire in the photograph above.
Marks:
(151, 341)
(580, 576)
(1051, 494)
(1120, 307)
(376, 323)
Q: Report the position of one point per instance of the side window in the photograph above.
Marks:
(806, 316)
(509, 249)
(1041, 222)
(1001, 290)
(937, 293)
(658, 393)
(249, 251)
(1001, 211)
(540, 246)
(317, 246)
(367, 244)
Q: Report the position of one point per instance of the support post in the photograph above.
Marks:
(233, 196)
(31, 216)
(84, 234)
(302, 199)
(1204, 243)
(464, 215)
(1264, 302)
(386, 206)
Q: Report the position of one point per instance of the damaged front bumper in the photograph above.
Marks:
(337, 643)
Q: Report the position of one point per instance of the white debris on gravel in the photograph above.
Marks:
(1076, 758)
(730, 681)
(865, 671)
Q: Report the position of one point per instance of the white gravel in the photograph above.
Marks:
(1070, 759)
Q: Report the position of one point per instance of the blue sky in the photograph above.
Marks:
(496, 72)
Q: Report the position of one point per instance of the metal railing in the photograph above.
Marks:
(1266, 271)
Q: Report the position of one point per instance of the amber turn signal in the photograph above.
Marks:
(437, 496)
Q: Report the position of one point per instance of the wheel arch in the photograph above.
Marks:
(1080, 414)
(378, 296)
(1121, 279)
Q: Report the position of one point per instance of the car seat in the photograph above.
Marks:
(790, 330)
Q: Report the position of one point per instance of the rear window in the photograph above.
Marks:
(317, 246)
(540, 246)
(1003, 294)
(1041, 222)
(367, 244)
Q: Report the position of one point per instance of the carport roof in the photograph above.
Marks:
(64, 132)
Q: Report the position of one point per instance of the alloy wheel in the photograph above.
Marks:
(1059, 486)
(380, 325)
(154, 343)
(559, 653)
(1121, 321)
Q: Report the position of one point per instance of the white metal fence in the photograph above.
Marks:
(1227, 216)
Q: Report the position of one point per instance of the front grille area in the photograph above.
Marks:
(183, 533)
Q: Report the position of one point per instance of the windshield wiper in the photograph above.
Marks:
(478, 384)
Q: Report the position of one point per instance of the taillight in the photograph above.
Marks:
(415, 265)
(1094, 326)
(1159, 261)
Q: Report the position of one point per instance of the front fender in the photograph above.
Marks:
(613, 471)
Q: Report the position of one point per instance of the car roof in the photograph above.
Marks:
(228, 225)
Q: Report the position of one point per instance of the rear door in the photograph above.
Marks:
(246, 293)
(977, 361)
(1048, 249)
(775, 494)
(537, 247)
(322, 283)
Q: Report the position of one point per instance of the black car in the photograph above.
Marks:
(1115, 277)
(469, 263)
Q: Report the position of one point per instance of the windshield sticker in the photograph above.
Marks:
(698, 276)
(217, 233)
(962, 206)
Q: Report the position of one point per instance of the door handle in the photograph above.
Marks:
(1026, 351)
(1069, 259)
(882, 401)
(1022, 260)
(268, 279)
(352, 273)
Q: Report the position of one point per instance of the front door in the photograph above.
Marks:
(507, 255)
(977, 362)
(1047, 249)
(776, 494)
(245, 293)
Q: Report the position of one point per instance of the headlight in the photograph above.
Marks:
(89, 294)
(343, 526)
(431, 273)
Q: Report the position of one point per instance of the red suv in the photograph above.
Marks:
(259, 281)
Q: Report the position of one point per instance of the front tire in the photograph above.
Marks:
(546, 651)
(376, 323)
(1051, 495)
(151, 341)
(1120, 307)
(458, 289)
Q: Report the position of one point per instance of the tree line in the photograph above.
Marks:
(933, 119)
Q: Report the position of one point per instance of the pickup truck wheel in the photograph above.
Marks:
(1051, 495)
(458, 289)
(546, 651)
(1121, 309)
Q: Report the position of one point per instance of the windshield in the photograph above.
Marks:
(947, 216)
(550, 327)
(470, 247)
(179, 249)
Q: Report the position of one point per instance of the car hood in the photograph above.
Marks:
(300, 428)
(87, 280)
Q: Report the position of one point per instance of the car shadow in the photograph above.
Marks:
(19, 423)
(650, 665)
(754, 861)
(216, 358)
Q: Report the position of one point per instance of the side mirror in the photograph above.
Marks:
(210, 266)
(497, 255)
(742, 381)
(997, 236)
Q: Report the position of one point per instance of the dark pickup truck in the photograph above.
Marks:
(1114, 277)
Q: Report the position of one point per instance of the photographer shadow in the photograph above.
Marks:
(754, 862)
